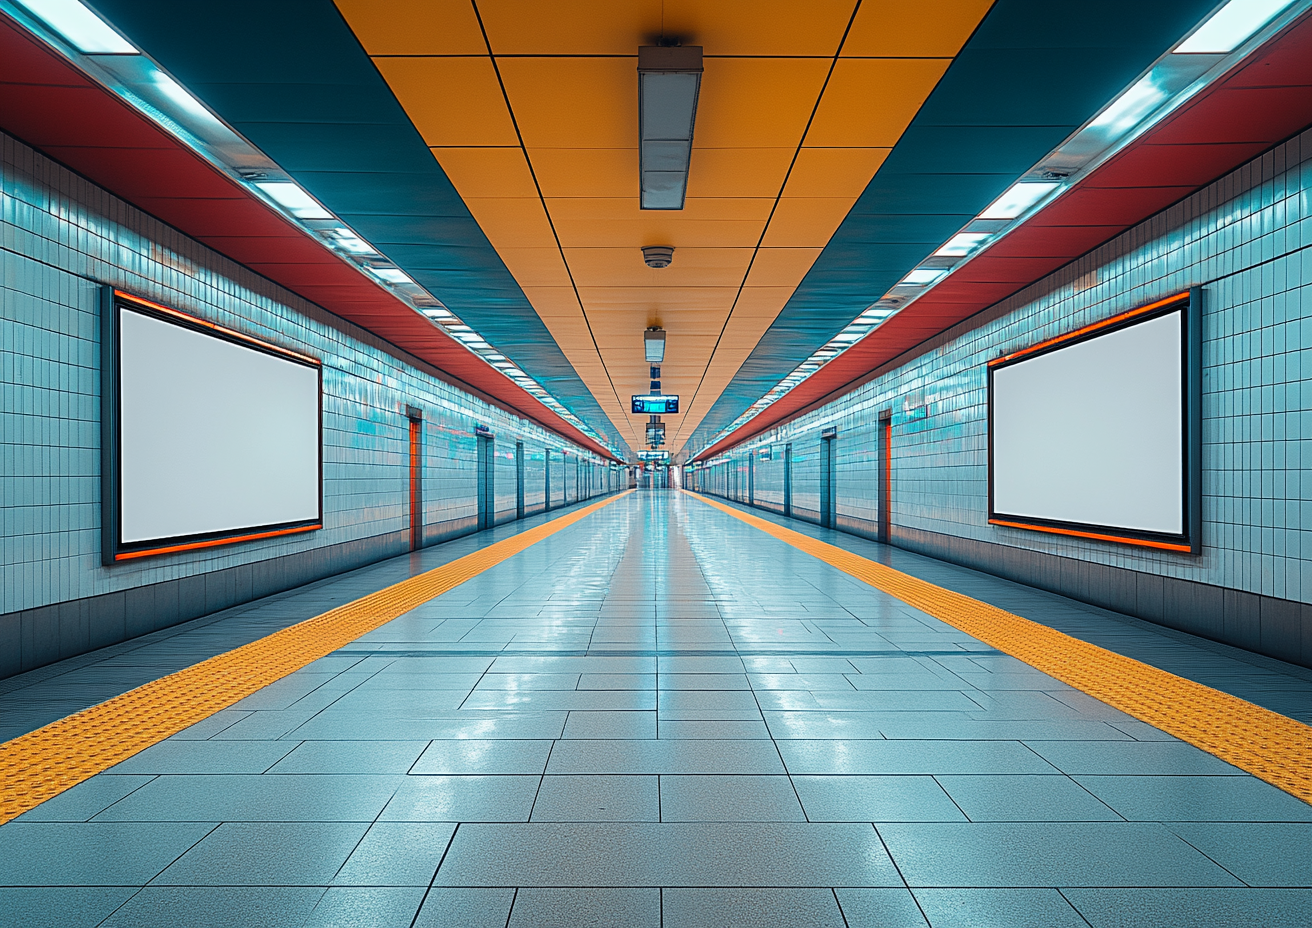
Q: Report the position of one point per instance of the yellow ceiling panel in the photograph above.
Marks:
(570, 27)
(833, 172)
(537, 267)
(553, 301)
(806, 222)
(587, 172)
(914, 28)
(570, 73)
(657, 230)
(512, 222)
(415, 27)
(733, 172)
(781, 267)
(574, 102)
(451, 101)
(760, 27)
(753, 102)
(692, 267)
(870, 101)
(694, 210)
(487, 172)
(658, 301)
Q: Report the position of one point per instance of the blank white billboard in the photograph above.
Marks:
(214, 437)
(1092, 433)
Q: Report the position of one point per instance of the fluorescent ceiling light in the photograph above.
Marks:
(1130, 108)
(393, 275)
(924, 275)
(669, 80)
(653, 345)
(180, 96)
(295, 200)
(1018, 199)
(80, 27)
(963, 243)
(1230, 26)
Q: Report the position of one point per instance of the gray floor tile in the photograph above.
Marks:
(881, 908)
(1259, 854)
(396, 854)
(266, 854)
(586, 908)
(728, 799)
(206, 757)
(1209, 908)
(597, 798)
(468, 756)
(1026, 798)
(1197, 799)
(1161, 758)
(462, 799)
(360, 757)
(875, 799)
(371, 907)
(708, 757)
(987, 908)
(112, 854)
(269, 798)
(721, 854)
(217, 907)
(61, 906)
(1065, 854)
(910, 757)
(603, 724)
(85, 800)
(717, 730)
(447, 907)
(742, 907)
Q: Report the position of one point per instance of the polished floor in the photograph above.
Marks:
(661, 716)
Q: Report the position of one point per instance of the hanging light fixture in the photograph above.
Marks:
(669, 79)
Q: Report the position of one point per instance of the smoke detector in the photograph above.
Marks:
(658, 255)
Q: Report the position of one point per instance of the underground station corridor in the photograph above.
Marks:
(655, 464)
(661, 714)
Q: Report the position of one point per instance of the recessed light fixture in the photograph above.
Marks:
(669, 81)
(1230, 26)
(1130, 108)
(653, 343)
(963, 243)
(924, 275)
(295, 200)
(80, 27)
(1019, 198)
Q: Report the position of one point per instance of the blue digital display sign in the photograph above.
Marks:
(645, 404)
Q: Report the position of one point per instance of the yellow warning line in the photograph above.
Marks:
(1266, 744)
(41, 764)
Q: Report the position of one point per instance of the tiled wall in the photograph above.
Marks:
(1247, 241)
(62, 239)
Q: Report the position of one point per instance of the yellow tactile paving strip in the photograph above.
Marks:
(1268, 745)
(42, 764)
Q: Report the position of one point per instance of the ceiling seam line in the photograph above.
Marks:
(833, 63)
(510, 110)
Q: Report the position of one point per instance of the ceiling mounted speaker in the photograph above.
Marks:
(658, 255)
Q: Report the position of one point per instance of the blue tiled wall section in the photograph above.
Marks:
(62, 238)
(1247, 241)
